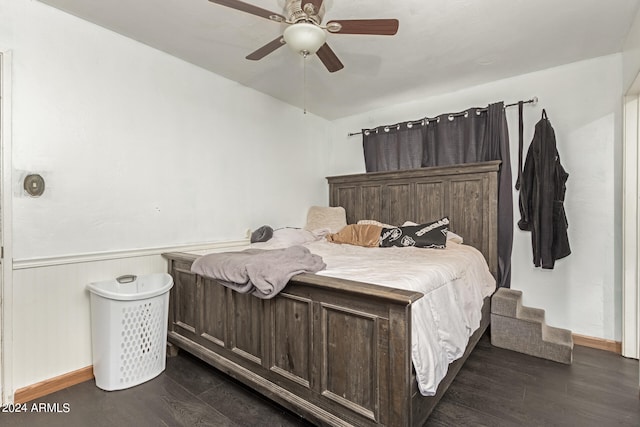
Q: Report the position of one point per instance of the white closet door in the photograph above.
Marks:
(631, 224)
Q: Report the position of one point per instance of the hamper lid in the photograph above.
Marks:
(131, 287)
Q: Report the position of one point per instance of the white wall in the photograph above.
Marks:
(583, 101)
(138, 150)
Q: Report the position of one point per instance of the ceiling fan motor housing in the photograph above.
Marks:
(295, 13)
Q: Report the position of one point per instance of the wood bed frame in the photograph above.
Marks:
(338, 352)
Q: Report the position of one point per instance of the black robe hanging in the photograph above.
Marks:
(542, 191)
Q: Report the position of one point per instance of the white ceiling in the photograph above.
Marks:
(441, 45)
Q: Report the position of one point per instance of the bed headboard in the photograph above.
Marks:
(467, 194)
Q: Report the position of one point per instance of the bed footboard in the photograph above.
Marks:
(335, 351)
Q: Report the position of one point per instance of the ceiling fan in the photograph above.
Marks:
(305, 33)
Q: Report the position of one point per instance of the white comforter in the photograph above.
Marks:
(454, 281)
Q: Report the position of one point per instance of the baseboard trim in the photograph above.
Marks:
(52, 385)
(599, 343)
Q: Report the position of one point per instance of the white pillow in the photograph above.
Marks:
(333, 219)
(451, 236)
(285, 238)
(293, 236)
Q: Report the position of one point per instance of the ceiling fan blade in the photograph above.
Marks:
(249, 8)
(266, 49)
(382, 27)
(329, 58)
(317, 4)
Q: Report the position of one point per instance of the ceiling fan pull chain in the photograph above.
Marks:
(304, 82)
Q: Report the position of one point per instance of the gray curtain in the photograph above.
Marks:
(396, 148)
(475, 135)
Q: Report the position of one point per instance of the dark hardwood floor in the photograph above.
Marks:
(495, 387)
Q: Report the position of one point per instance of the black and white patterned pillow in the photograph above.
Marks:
(430, 235)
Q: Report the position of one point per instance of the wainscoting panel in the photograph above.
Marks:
(52, 317)
(51, 308)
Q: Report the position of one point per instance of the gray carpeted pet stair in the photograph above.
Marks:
(523, 329)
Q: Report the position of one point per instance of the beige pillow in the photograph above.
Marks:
(367, 235)
(332, 219)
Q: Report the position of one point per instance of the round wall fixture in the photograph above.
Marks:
(34, 185)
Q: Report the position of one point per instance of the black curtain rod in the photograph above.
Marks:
(533, 100)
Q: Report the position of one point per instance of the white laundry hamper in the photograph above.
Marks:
(129, 329)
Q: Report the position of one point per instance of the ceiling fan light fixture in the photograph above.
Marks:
(304, 38)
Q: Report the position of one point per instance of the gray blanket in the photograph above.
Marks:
(261, 272)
